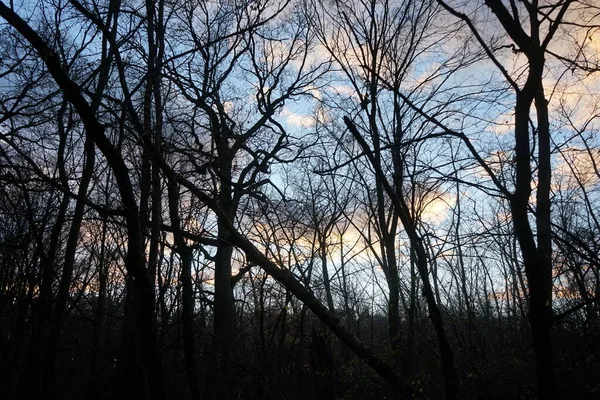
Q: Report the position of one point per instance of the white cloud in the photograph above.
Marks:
(304, 120)
(437, 209)
(577, 167)
(297, 119)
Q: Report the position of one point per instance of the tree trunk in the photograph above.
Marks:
(537, 259)
(187, 301)
(224, 313)
(67, 273)
(325, 271)
(416, 243)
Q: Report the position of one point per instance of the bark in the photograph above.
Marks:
(538, 266)
(98, 316)
(446, 353)
(41, 374)
(409, 352)
(537, 257)
(187, 301)
(17, 342)
(287, 279)
(417, 245)
(543, 313)
(325, 271)
(323, 367)
(224, 313)
(135, 264)
(393, 282)
(67, 273)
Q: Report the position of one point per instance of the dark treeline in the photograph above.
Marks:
(299, 199)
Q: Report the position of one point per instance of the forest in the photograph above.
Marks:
(299, 199)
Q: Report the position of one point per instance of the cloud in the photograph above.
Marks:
(437, 208)
(306, 121)
(228, 106)
(344, 90)
(297, 119)
(576, 167)
(315, 92)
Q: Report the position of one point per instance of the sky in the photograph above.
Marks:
(485, 117)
